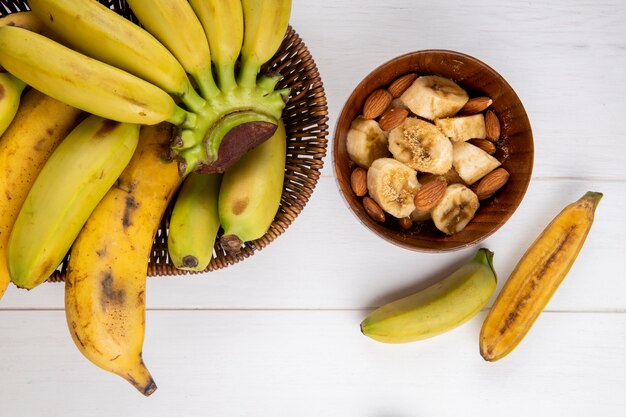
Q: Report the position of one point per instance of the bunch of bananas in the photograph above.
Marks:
(114, 119)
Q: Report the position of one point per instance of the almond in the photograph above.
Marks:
(484, 144)
(376, 103)
(400, 85)
(392, 118)
(492, 126)
(430, 194)
(491, 183)
(358, 181)
(405, 223)
(373, 209)
(475, 105)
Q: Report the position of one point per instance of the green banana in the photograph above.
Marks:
(251, 190)
(10, 93)
(74, 179)
(175, 24)
(97, 31)
(222, 21)
(438, 308)
(194, 222)
(83, 82)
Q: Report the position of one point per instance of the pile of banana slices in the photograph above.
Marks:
(427, 130)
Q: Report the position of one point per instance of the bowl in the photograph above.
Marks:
(515, 149)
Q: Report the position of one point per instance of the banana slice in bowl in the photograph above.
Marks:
(366, 142)
(455, 210)
(393, 186)
(433, 97)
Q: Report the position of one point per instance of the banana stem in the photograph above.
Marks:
(248, 73)
(206, 83)
(182, 117)
(192, 100)
(226, 76)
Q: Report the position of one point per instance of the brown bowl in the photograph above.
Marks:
(515, 147)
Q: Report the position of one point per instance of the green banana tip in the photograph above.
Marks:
(594, 196)
(485, 256)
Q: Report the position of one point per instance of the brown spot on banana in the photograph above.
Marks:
(110, 295)
(101, 252)
(240, 205)
(2, 93)
(131, 206)
(107, 127)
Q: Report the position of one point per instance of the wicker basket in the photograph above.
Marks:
(305, 118)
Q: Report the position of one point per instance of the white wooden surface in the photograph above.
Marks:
(278, 334)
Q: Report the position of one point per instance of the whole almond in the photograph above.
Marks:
(491, 183)
(373, 209)
(429, 194)
(400, 84)
(392, 118)
(405, 223)
(475, 105)
(492, 126)
(484, 144)
(358, 181)
(376, 103)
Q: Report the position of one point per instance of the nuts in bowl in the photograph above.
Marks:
(433, 151)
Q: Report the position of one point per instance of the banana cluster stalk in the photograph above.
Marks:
(536, 278)
(113, 68)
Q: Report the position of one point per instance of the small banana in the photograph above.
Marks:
(460, 129)
(106, 279)
(536, 278)
(422, 146)
(471, 162)
(265, 24)
(366, 142)
(393, 186)
(455, 210)
(82, 82)
(438, 308)
(174, 23)
(39, 126)
(194, 222)
(99, 32)
(10, 93)
(251, 190)
(433, 97)
(72, 182)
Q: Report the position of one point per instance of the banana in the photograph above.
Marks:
(433, 97)
(99, 32)
(222, 21)
(265, 24)
(460, 129)
(39, 126)
(366, 142)
(82, 82)
(174, 23)
(471, 162)
(438, 308)
(536, 277)
(26, 20)
(72, 182)
(106, 278)
(455, 210)
(393, 186)
(251, 190)
(10, 93)
(422, 146)
(194, 222)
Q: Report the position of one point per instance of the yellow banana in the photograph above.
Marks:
(438, 308)
(83, 82)
(194, 222)
(99, 32)
(10, 93)
(39, 126)
(265, 24)
(72, 182)
(251, 190)
(174, 23)
(536, 277)
(106, 279)
(222, 21)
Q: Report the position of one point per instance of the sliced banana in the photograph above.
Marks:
(434, 97)
(451, 177)
(366, 142)
(393, 186)
(420, 216)
(460, 129)
(455, 210)
(471, 162)
(422, 146)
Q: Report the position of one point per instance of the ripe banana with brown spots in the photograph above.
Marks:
(39, 125)
(106, 280)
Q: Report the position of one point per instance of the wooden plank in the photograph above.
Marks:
(308, 363)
